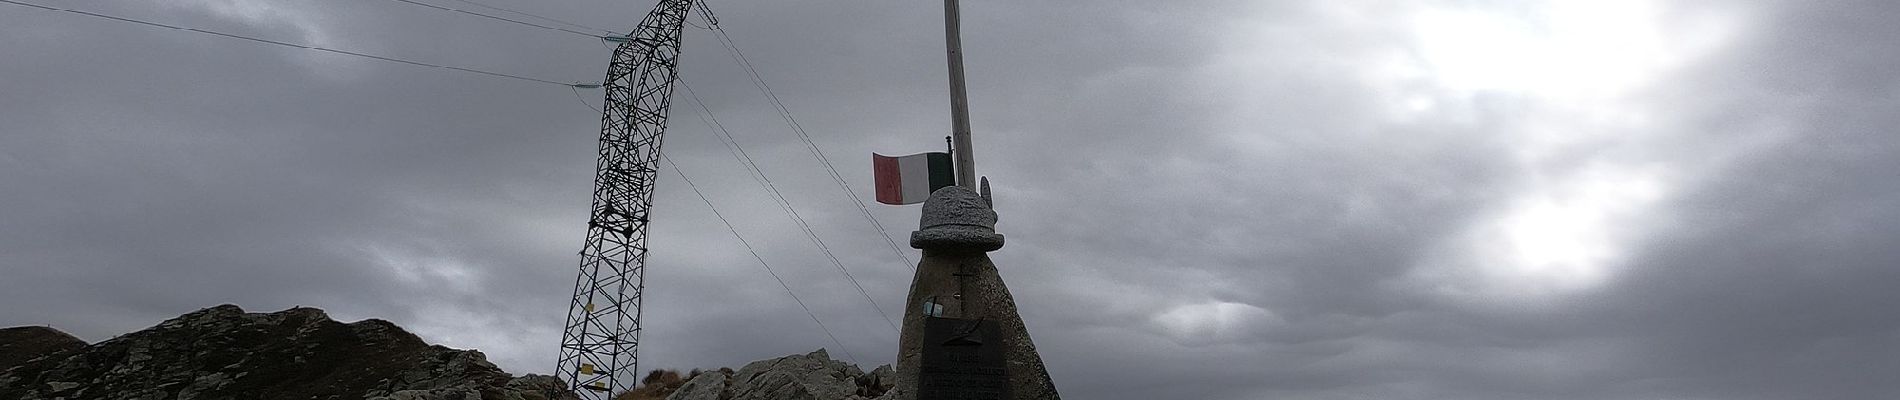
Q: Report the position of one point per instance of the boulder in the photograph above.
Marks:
(812, 376)
(710, 385)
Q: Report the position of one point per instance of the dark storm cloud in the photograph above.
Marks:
(1229, 200)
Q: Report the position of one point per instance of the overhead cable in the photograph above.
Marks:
(577, 97)
(755, 255)
(785, 113)
(504, 19)
(300, 46)
(758, 175)
(501, 9)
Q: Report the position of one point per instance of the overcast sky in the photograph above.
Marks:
(1245, 199)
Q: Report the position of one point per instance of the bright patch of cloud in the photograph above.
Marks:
(283, 21)
(1562, 48)
(1565, 237)
(1556, 78)
(271, 14)
(424, 270)
(1213, 322)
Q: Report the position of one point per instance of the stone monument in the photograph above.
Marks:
(962, 337)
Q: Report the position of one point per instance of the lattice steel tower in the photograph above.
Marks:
(599, 349)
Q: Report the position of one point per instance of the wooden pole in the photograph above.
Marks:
(959, 104)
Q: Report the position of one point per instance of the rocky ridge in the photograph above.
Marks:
(20, 345)
(225, 353)
(813, 376)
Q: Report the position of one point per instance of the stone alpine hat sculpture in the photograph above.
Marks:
(956, 219)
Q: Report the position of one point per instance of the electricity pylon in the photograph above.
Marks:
(600, 346)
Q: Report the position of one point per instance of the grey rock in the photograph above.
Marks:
(205, 384)
(877, 383)
(711, 385)
(533, 387)
(813, 376)
(433, 394)
(809, 376)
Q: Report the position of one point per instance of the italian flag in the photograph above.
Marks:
(910, 179)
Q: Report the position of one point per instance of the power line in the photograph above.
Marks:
(786, 113)
(690, 23)
(755, 255)
(505, 19)
(577, 96)
(785, 204)
(287, 44)
(496, 8)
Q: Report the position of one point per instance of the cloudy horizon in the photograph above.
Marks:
(1211, 199)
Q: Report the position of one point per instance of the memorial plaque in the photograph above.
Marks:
(962, 360)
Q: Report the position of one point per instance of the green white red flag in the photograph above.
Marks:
(910, 179)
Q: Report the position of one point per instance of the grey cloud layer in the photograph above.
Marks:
(1204, 199)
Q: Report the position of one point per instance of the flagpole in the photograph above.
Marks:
(959, 104)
